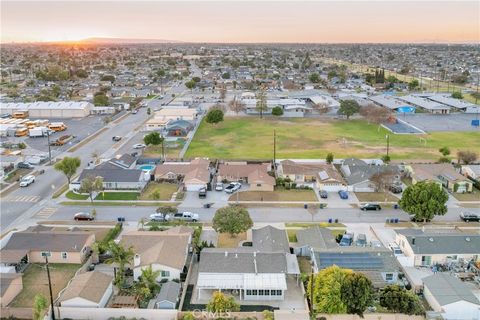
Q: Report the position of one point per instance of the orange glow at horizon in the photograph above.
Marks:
(301, 22)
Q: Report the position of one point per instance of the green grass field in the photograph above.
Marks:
(252, 138)
(117, 196)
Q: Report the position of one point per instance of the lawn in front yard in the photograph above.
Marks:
(472, 196)
(251, 138)
(172, 150)
(277, 195)
(227, 241)
(376, 197)
(158, 191)
(113, 195)
(35, 282)
(75, 196)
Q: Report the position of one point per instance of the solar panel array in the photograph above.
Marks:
(355, 261)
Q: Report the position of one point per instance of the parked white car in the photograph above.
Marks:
(139, 146)
(158, 217)
(232, 187)
(219, 186)
(27, 180)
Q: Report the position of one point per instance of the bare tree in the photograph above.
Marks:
(382, 179)
(223, 92)
(236, 106)
(375, 114)
(321, 107)
(466, 156)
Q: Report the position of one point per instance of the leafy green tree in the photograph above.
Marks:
(457, 95)
(277, 111)
(153, 138)
(222, 303)
(314, 78)
(68, 166)
(357, 293)
(348, 108)
(329, 158)
(424, 200)
(196, 79)
(386, 158)
(148, 279)
(412, 85)
(90, 185)
(120, 256)
(226, 75)
(327, 290)
(100, 100)
(81, 73)
(109, 78)
(232, 219)
(214, 116)
(445, 151)
(399, 300)
(39, 306)
(190, 85)
(167, 210)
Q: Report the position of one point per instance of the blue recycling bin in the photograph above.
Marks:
(305, 206)
(396, 220)
(330, 220)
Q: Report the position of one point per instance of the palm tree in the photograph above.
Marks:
(148, 279)
(120, 256)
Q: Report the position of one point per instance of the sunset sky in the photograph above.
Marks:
(243, 21)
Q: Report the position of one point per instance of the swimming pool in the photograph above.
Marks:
(147, 167)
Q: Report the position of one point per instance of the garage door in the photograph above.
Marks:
(332, 188)
(363, 189)
(195, 187)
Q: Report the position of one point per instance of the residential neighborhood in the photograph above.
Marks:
(240, 160)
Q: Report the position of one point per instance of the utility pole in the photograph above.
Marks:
(49, 150)
(49, 284)
(388, 143)
(312, 312)
(274, 149)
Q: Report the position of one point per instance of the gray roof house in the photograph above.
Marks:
(314, 238)
(451, 297)
(438, 246)
(357, 173)
(257, 272)
(168, 296)
(116, 178)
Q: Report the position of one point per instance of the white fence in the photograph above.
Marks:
(106, 313)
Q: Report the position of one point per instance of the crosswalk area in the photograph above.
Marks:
(45, 213)
(21, 199)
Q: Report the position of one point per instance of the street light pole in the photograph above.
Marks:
(49, 286)
(49, 150)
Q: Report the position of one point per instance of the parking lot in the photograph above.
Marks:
(442, 122)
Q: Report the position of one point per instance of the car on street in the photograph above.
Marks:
(134, 111)
(202, 193)
(361, 240)
(395, 189)
(370, 206)
(347, 240)
(138, 146)
(469, 216)
(219, 186)
(343, 194)
(24, 165)
(323, 194)
(27, 180)
(83, 216)
(232, 187)
(186, 216)
(116, 138)
(159, 217)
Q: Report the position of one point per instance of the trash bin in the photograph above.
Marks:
(121, 219)
(330, 220)
(305, 206)
(395, 206)
(387, 220)
(396, 220)
(336, 220)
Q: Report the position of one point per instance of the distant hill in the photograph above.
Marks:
(125, 41)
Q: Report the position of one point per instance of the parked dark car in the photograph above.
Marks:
(24, 165)
(469, 216)
(323, 194)
(116, 138)
(396, 189)
(370, 206)
(361, 240)
(343, 194)
(83, 216)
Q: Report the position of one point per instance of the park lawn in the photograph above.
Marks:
(252, 138)
(172, 150)
(117, 196)
(158, 191)
(277, 195)
(75, 196)
(225, 240)
(35, 282)
(376, 197)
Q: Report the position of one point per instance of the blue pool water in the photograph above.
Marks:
(147, 167)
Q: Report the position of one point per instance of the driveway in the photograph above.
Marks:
(334, 200)
(218, 198)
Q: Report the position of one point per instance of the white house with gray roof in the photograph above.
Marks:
(429, 247)
(256, 273)
(451, 297)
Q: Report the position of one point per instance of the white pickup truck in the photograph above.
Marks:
(186, 216)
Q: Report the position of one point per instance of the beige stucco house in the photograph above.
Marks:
(10, 286)
(256, 175)
(442, 173)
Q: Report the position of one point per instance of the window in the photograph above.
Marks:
(389, 276)
(261, 292)
(45, 254)
(254, 292)
(249, 292)
(279, 292)
(426, 260)
(267, 292)
(259, 184)
(165, 274)
(64, 255)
